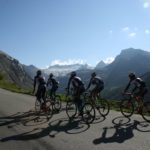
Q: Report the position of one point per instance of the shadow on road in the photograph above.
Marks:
(21, 118)
(121, 131)
(54, 128)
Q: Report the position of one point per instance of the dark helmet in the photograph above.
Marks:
(132, 76)
(51, 75)
(39, 72)
(73, 73)
(93, 74)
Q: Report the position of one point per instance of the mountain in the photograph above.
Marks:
(116, 74)
(13, 72)
(100, 65)
(62, 70)
(129, 60)
(30, 70)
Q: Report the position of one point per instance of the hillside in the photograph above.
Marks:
(13, 73)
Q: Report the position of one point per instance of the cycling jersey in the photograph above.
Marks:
(97, 82)
(53, 86)
(76, 82)
(138, 82)
(52, 82)
(39, 80)
(139, 87)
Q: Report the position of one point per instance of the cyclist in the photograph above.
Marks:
(98, 85)
(52, 84)
(78, 89)
(139, 89)
(39, 81)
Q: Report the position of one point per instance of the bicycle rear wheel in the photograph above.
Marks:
(146, 111)
(71, 109)
(57, 103)
(48, 109)
(102, 106)
(127, 108)
(37, 106)
(88, 113)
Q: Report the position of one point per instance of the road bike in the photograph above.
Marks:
(87, 112)
(132, 103)
(43, 108)
(100, 104)
(55, 101)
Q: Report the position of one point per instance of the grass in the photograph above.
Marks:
(4, 84)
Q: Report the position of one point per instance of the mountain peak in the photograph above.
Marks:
(100, 65)
(130, 53)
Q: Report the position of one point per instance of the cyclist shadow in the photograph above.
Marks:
(68, 126)
(20, 118)
(122, 132)
(54, 128)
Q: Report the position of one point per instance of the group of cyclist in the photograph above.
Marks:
(76, 84)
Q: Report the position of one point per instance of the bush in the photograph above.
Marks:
(1, 76)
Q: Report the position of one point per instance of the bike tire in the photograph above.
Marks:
(103, 107)
(88, 113)
(48, 110)
(37, 106)
(146, 111)
(57, 103)
(127, 108)
(71, 109)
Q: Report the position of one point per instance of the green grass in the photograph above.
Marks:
(4, 84)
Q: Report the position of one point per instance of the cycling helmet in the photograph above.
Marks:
(132, 76)
(73, 74)
(39, 72)
(51, 75)
(93, 74)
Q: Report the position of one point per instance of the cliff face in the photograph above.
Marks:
(13, 71)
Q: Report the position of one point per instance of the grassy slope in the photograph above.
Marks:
(11, 86)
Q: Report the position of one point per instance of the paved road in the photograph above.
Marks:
(20, 130)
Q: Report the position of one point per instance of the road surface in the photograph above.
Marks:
(21, 130)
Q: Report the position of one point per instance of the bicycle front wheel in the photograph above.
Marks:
(48, 109)
(37, 106)
(88, 113)
(57, 103)
(127, 108)
(71, 109)
(103, 107)
(146, 111)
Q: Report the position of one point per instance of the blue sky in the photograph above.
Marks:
(44, 32)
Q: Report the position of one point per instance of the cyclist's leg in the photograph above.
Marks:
(44, 93)
(80, 102)
(54, 92)
(38, 94)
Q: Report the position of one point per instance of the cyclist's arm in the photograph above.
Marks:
(47, 82)
(134, 89)
(34, 84)
(89, 84)
(127, 87)
(68, 85)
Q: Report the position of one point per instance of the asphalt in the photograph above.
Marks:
(20, 129)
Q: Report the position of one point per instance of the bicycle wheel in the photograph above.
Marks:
(37, 106)
(57, 103)
(146, 111)
(71, 109)
(127, 108)
(102, 106)
(48, 109)
(88, 113)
